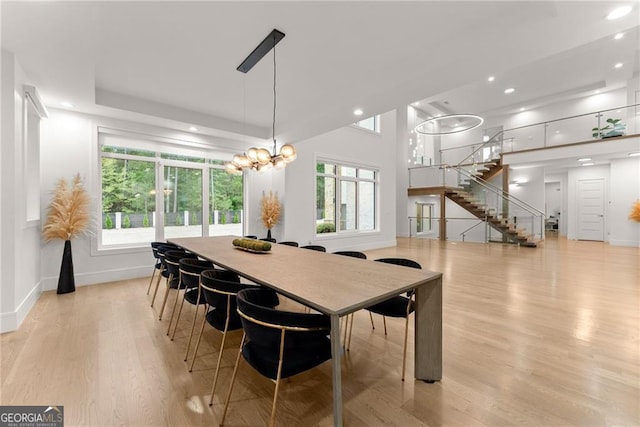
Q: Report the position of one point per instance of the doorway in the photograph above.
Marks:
(424, 217)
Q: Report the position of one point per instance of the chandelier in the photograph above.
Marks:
(258, 158)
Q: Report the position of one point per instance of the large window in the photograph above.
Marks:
(345, 198)
(152, 191)
(370, 123)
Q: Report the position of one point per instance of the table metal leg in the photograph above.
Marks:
(336, 361)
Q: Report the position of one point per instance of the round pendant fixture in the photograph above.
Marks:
(450, 124)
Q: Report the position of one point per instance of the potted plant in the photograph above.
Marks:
(68, 217)
(614, 127)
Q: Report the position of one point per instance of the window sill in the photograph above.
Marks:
(346, 235)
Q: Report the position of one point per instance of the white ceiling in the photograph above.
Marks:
(177, 60)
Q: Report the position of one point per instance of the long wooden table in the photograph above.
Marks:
(336, 286)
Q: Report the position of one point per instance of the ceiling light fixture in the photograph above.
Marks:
(260, 158)
(522, 108)
(509, 90)
(588, 164)
(584, 159)
(67, 104)
(619, 13)
(618, 65)
(358, 112)
(193, 129)
(636, 154)
(464, 123)
(618, 36)
(491, 78)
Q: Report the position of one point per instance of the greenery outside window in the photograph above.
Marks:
(346, 198)
(150, 195)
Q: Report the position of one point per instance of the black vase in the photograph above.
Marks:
(66, 281)
(269, 234)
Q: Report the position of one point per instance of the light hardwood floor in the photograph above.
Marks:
(546, 336)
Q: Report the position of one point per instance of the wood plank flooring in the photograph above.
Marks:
(546, 336)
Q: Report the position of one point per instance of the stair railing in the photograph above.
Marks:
(504, 196)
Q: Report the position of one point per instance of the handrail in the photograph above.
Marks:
(545, 123)
(521, 203)
(471, 228)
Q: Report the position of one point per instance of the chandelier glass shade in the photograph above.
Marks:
(450, 124)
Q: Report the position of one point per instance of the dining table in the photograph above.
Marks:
(337, 286)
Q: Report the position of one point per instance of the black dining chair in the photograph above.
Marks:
(290, 243)
(398, 306)
(190, 269)
(315, 248)
(157, 266)
(348, 323)
(278, 344)
(160, 251)
(172, 261)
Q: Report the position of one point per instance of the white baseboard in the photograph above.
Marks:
(11, 321)
(95, 277)
(630, 243)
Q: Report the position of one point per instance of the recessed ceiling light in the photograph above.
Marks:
(618, 13)
(597, 91)
(417, 103)
(491, 78)
(67, 104)
(619, 65)
(637, 153)
(588, 164)
(557, 131)
(584, 159)
(193, 129)
(522, 108)
(509, 90)
(618, 36)
(358, 112)
(485, 138)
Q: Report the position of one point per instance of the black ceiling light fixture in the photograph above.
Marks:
(260, 158)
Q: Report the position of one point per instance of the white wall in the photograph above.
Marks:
(624, 191)
(20, 243)
(347, 144)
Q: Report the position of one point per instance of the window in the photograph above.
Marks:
(345, 198)
(372, 123)
(152, 191)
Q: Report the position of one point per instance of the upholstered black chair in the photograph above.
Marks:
(290, 243)
(251, 236)
(269, 239)
(160, 251)
(172, 261)
(398, 306)
(278, 344)
(157, 266)
(315, 248)
(348, 323)
(190, 269)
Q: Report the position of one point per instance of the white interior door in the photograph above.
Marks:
(591, 209)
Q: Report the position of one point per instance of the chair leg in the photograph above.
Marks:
(215, 377)
(384, 321)
(173, 335)
(233, 380)
(195, 353)
(193, 325)
(275, 393)
(153, 273)
(166, 295)
(173, 312)
(157, 286)
(404, 351)
(372, 325)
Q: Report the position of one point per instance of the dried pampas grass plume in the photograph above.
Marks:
(635, 212)
(68, 214)
(270, 209)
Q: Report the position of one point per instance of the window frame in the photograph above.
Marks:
(376, 125)
(338, 188)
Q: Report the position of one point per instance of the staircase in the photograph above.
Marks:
(464, 197)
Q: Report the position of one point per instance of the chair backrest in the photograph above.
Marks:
(161, 249)
(267, 239)
(353, 254)
(315, 248)
(263, 324)
(172, 260)
(290, 243)
(400, 261)
(190, 269)
(251, 236)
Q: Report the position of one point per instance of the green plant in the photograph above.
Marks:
(236, 218)
(145, 220)
(178, 220)
(325, 227)
(108, 222)
(223, 217)
(210, 219)
(126, 222)
(614, 127)
(194, 218)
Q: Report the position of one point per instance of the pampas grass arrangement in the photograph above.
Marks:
(270, 211)
(68, 217)
(68, 214)
(635, 212)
